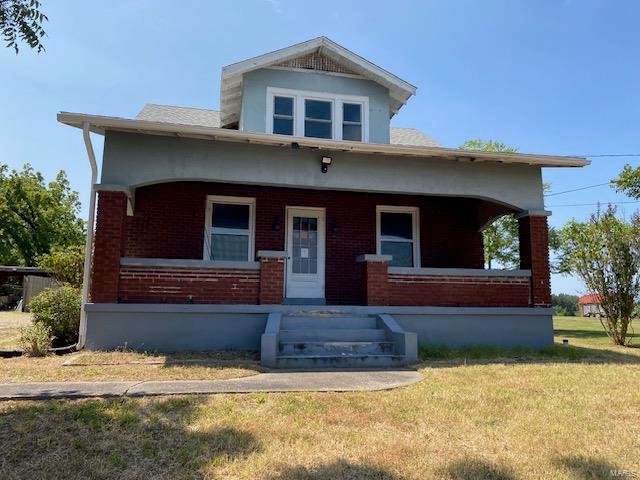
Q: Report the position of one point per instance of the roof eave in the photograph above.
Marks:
(101, 124)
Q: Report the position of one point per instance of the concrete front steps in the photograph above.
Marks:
(324, 340)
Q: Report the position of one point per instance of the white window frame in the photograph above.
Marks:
(299, 96)
(415, 224)
(294, 109)
(208, 227)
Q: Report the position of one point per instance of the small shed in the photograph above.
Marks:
(33, 281)
(589, 305)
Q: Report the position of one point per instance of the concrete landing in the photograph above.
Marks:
(344, 381)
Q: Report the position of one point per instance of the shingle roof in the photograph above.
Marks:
(180, 115)
(211, 118)
(411, 136)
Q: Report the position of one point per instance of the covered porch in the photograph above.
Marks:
(221, 243)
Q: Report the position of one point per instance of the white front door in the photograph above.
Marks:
(305, 252)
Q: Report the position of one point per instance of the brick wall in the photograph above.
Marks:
(534, 255)
(188, 285)
(109, 246)
(463, 291)
(271, 281)
(169, 223)
(375, 283)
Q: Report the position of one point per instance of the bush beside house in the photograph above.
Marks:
(59, 309)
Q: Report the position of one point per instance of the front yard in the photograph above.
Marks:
(537, 418)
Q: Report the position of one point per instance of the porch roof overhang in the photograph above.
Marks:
(100, 124)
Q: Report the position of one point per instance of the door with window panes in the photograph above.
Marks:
(305, 253)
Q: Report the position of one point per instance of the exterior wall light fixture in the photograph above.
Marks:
(326, 161)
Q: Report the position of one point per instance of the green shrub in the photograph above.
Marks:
(59, 309)
(35, 339)
(65, 264)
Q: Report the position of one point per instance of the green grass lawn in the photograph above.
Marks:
(530, 416)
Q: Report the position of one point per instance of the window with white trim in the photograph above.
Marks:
(352, 121)
(317, 115)
(229, 229)
(283, 115)
(398, 235)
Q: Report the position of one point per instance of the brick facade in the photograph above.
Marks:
(375, 282)
(109, 246)
(188, 285)
(534, 256)
(271, 280)
(168, 222)
(458, 291)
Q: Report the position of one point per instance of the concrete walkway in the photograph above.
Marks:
(344, 381)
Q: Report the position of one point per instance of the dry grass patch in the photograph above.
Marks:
(530, 421)
(9, 324)
(115, 366)
(551, 419)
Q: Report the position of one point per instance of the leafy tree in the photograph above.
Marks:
(628, 181)
(65, 264)
(501, 237)
(487, 146)
(22, 20)
(565, 304)
(605, 253)
(35, 217)
(501, 243)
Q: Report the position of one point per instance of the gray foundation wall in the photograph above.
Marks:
(239, 327)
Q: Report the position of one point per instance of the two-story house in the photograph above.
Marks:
(295, 220)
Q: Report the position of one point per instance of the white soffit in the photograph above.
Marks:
(231, 84)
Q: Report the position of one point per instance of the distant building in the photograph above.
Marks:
(589, 306)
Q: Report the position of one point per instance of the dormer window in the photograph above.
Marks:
(352, 121)
(317, 118)
(317, 115)
(283, 115)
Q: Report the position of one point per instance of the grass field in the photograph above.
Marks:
(9, 324)
(528, 417)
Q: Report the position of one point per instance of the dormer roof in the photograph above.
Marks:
(320, 54)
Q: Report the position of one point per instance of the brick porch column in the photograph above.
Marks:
(108, 246)
(534, 255)
(374, 277)
(272, 265)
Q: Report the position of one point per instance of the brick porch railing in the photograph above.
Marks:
(457, 287)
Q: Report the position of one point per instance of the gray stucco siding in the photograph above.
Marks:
(134, 160)
(254, 96)
(155, 327)
(166, 331)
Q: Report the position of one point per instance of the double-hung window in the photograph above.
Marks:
(398, 235)
(318, 118)
(317, 115)
(283, 115)
(352, 121)
(229, 229)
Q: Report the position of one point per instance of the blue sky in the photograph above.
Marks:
(551, 77)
